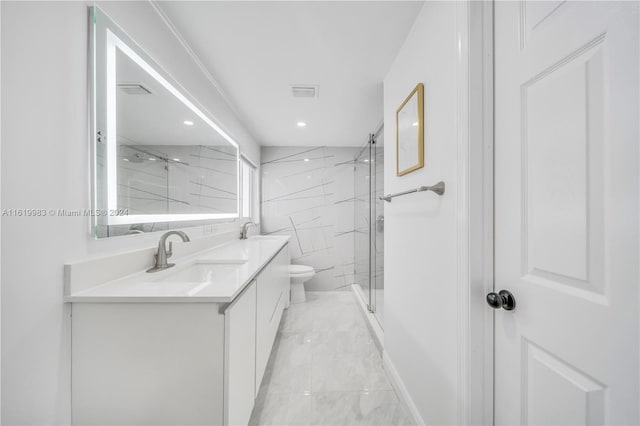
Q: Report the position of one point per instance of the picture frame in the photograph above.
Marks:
(410, 132)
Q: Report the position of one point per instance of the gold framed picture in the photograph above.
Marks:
(410, 132)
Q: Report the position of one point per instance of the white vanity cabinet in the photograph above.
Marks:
(176, 362)
(273, 293)
(240, 357)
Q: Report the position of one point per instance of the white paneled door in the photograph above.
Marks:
(566, 212)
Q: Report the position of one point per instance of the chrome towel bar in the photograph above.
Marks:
(438, 188)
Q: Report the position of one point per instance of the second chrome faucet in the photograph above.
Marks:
(245, 229)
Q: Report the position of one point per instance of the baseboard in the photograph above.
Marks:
(394, 377)
(400, 388)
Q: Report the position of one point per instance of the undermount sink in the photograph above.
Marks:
(198, 276)
(265, 237)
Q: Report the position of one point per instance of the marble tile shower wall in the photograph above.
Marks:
(172, 179)
(308, 194)
(177, 179)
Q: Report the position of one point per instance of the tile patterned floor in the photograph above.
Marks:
(325, 369)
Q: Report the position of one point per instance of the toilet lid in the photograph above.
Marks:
(300, 269)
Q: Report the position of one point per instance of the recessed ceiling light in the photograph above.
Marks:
(415, 124)
(188, 123)
(301, 124)
(306, 160)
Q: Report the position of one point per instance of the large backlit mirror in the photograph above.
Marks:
(160, 162)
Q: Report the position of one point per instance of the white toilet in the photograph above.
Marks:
(299, 274)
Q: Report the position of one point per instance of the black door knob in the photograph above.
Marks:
(503, 299)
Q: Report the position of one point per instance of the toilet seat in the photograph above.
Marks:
(300, 270)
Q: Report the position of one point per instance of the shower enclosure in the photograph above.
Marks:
(369, 224)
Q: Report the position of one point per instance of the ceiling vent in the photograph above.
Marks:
(134, 89)
(304, 90)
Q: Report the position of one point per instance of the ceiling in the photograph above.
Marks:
(256, 50)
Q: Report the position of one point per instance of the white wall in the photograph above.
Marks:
(421, 230)
(45, 164)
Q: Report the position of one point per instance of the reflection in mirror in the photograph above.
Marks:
(169, 160)
(159, 159)
(410, 143)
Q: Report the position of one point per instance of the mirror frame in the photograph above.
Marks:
(418, 92)
(116, 38)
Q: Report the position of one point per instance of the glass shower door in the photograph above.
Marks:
(377, 231)
(362, 223)
(369, 224)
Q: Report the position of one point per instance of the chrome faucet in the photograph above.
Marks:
(162, 254)
(243, 232)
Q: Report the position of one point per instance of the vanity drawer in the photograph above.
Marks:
(266, 332)
(272, 282)
(268, 292)
(272, 297)
(240, 357)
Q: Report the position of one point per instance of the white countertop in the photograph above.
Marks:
(216, 275)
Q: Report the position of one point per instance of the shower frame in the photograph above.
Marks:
(374, 279)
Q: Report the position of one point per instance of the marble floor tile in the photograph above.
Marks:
(331, 343)
(337, 318)
(282, 409)
(357, 408)
(349, 372)
(325, 369)
(280, 378)
(336, 297)
(292, 349)
(297, 318)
